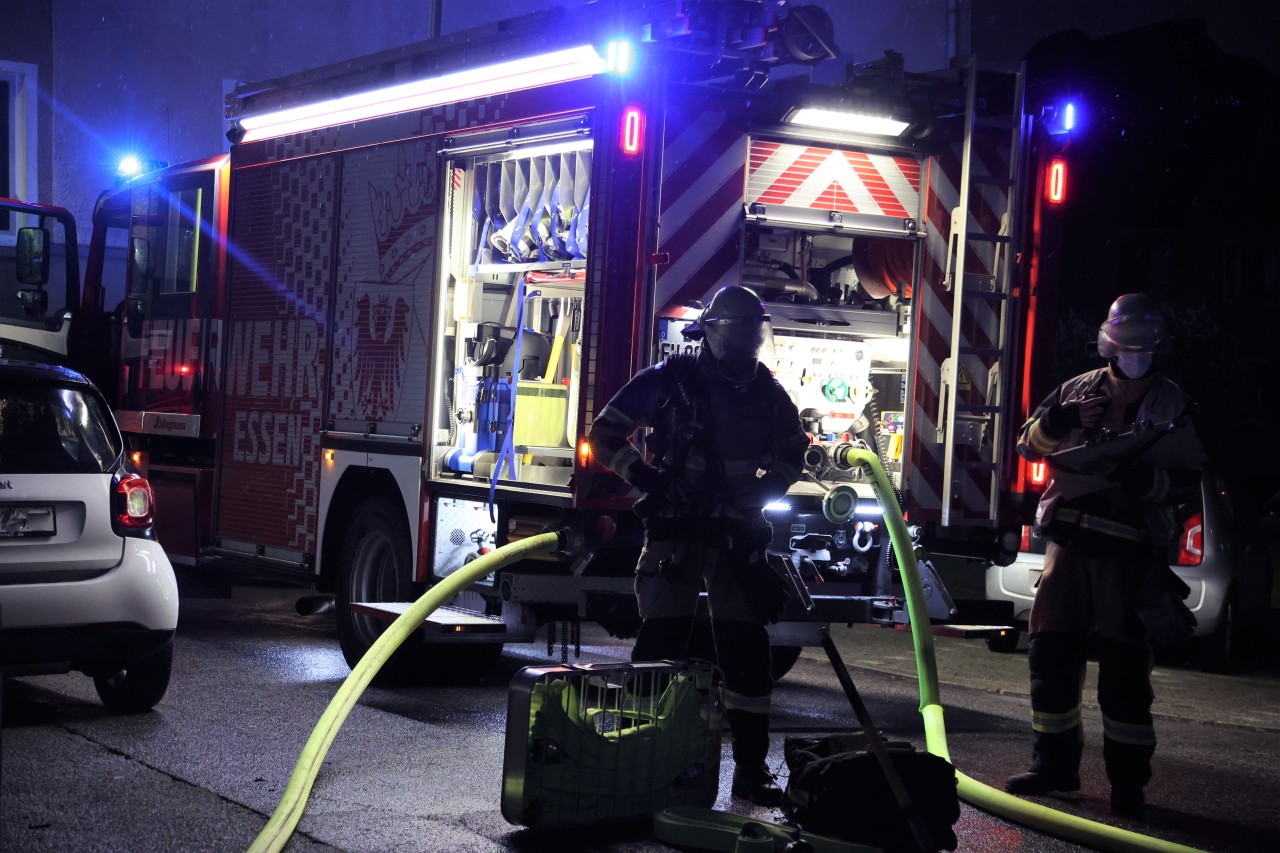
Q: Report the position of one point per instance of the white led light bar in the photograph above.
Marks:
(848, 122)
(542, 70)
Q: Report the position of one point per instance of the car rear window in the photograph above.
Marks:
(47, 429)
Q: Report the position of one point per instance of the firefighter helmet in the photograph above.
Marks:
(735, 328)
(1133, 325)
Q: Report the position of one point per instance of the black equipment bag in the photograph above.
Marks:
(892, 796)
(837, 788)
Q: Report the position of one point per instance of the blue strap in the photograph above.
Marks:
(580, 225)
(507, 453)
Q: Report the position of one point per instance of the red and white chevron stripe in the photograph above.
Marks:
(828, 179)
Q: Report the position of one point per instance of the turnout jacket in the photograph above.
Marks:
(721, 449)
(1129, 500)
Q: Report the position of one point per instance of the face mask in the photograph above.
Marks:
(1134, 365)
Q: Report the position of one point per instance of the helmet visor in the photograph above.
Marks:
(1131, 333)
(738, 338)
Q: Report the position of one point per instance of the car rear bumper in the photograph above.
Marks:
(141, 592)
(1016, 583)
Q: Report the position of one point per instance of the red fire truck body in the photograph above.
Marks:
(366, 345)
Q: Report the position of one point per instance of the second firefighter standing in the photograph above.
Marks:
(1123, 451)
(724, 440)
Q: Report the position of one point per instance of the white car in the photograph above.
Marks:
(84, 586)
(1206, 556)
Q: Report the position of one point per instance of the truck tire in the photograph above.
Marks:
(376, 566)
(137, 686)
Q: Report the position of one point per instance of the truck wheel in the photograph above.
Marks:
(376, 566)
(783, 657)
(139, 685)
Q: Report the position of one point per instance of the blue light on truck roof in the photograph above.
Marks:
(1069, 116)
(129, 166)
(619, 57)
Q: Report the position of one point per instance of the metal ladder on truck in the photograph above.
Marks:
(983, 226)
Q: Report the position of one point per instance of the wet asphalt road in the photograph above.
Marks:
(419, 769)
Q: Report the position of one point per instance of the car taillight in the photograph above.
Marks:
(133, 506)
(1191, 544)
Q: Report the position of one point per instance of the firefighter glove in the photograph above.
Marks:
(1078, 414)
(652, 482)
(645, 477)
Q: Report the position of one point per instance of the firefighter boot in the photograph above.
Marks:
(1128, 733)
(752, 780)
(1057, 670)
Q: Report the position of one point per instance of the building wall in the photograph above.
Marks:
(148, 77)
(26, 38)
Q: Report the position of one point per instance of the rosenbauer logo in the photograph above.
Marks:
(401, 210)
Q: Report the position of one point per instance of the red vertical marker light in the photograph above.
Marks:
(632, 140)
(1055, 188)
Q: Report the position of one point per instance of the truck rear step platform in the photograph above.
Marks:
(444, 620)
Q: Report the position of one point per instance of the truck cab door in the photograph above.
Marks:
(164, 338)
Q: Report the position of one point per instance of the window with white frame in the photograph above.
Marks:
(17, 139)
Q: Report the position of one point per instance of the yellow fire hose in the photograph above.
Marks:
(294, 799)
(1099, 836)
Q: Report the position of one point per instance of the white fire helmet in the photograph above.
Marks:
(1133, 325)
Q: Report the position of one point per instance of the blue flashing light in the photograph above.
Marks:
(131, 166)
(620, 57)
(1062, 117)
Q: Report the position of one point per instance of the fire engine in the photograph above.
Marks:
(366, 344)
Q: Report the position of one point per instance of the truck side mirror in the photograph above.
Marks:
(33, 257)
(134, 314)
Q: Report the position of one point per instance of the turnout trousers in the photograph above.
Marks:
(1082, 605)
(670, 574)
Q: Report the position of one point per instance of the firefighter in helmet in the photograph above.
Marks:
(724, 440)
(1106, 587)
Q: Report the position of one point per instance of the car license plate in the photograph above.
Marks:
(21, 521)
